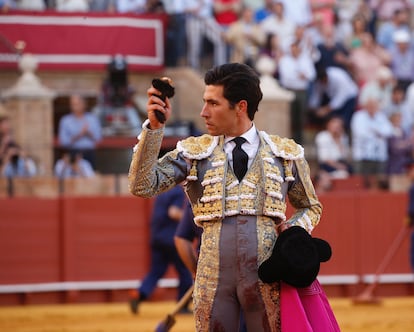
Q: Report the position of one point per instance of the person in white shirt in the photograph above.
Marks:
(131, 6)
(333, 152)
(72, 5)
(298, 11)
(277, 23)
(246, 38)
(370, 130)
(382, 86)
(296, 72)
(176, 34)
(73, 165)
(17, 163)
(333, 93)
(38, 5)
(398, 104)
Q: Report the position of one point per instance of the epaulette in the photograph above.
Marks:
(199, 147)
(285, 148)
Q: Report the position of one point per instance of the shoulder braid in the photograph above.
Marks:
(199, 147)
(285, 148)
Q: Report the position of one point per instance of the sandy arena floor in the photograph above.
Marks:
(393, 314)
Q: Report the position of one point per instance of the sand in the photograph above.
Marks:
(392, 314)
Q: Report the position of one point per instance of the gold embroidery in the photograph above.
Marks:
(141, 180)
(271, 297)
(207, 275)
(199, 147)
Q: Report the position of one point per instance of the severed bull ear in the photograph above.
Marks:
(166, 87)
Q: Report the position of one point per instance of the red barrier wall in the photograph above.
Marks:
(106, 238)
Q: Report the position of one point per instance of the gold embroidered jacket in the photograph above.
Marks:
(200, 163)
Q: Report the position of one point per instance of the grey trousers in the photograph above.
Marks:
(238, 286)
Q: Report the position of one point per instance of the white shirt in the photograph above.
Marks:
(340, 88)
(72, 5)
(176, 6)
(291, 70)
(128, 6)
(369, 136)
(204, 8)
(328, 149)
(298, 11)
(284, 28)
(250, 146)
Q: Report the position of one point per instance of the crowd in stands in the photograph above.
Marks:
(349, 63)
(79, 132)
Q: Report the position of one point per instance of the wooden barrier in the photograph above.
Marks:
(101, 239)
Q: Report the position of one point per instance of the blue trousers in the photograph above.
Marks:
(161, 257)
(412, 249)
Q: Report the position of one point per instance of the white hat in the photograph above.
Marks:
(384, 73)
(401, 36)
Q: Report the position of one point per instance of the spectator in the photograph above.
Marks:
(296, 72)
(385, 9)
(332, 52)
(277, 23)
(227, 12)
(72, 164)
(155, 7)
(385, 33)
(6, 5)
(202, 24)
(370, 130)
(381, 86)
(299, 11)
(367, 59)
(398, 104)
(272, 49)
(254, 4)
(315, 30)
(324, 8)
(333, 153)
(400, 147)
(264, 11)
(402, 58)
(176, 38)
(80, 130)
(108, 6)
(72, 5)
(131, 6)
(306, 42)
(245, 38)
(168, 211)
(359, 27)
(35, 5)
(333, 93)
(409, 97)
(17, 163)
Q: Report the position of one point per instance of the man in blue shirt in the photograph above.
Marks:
(80, 131)
(168, 211)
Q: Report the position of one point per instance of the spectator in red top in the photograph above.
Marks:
(227, 12)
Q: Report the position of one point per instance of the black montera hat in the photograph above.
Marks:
(295, 259)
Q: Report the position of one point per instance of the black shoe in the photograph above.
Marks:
(134, 300)
(133, 305)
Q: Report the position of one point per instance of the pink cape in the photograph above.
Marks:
(306, 309)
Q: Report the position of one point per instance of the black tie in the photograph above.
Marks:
(240, 158)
